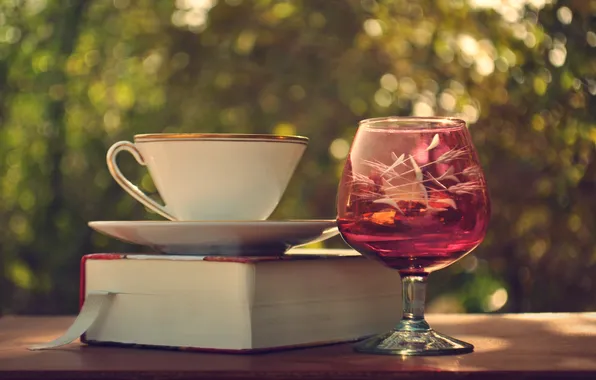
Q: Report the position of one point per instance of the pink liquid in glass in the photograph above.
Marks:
(413, 198)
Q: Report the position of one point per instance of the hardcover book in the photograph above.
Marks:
(239, 304)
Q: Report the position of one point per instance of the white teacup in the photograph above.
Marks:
(208, 176)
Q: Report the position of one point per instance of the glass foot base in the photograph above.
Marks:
(413, 343)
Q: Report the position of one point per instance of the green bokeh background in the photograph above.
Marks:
(77, 76)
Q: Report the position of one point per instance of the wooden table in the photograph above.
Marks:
(525, 346)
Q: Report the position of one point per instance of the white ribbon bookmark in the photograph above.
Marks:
(92, 307)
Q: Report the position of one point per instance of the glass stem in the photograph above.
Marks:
(413, 298)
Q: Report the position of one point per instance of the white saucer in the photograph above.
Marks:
(241, 238)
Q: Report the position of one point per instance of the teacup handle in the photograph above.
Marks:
(125, 183)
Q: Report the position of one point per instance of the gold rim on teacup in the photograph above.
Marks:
(219, 136)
